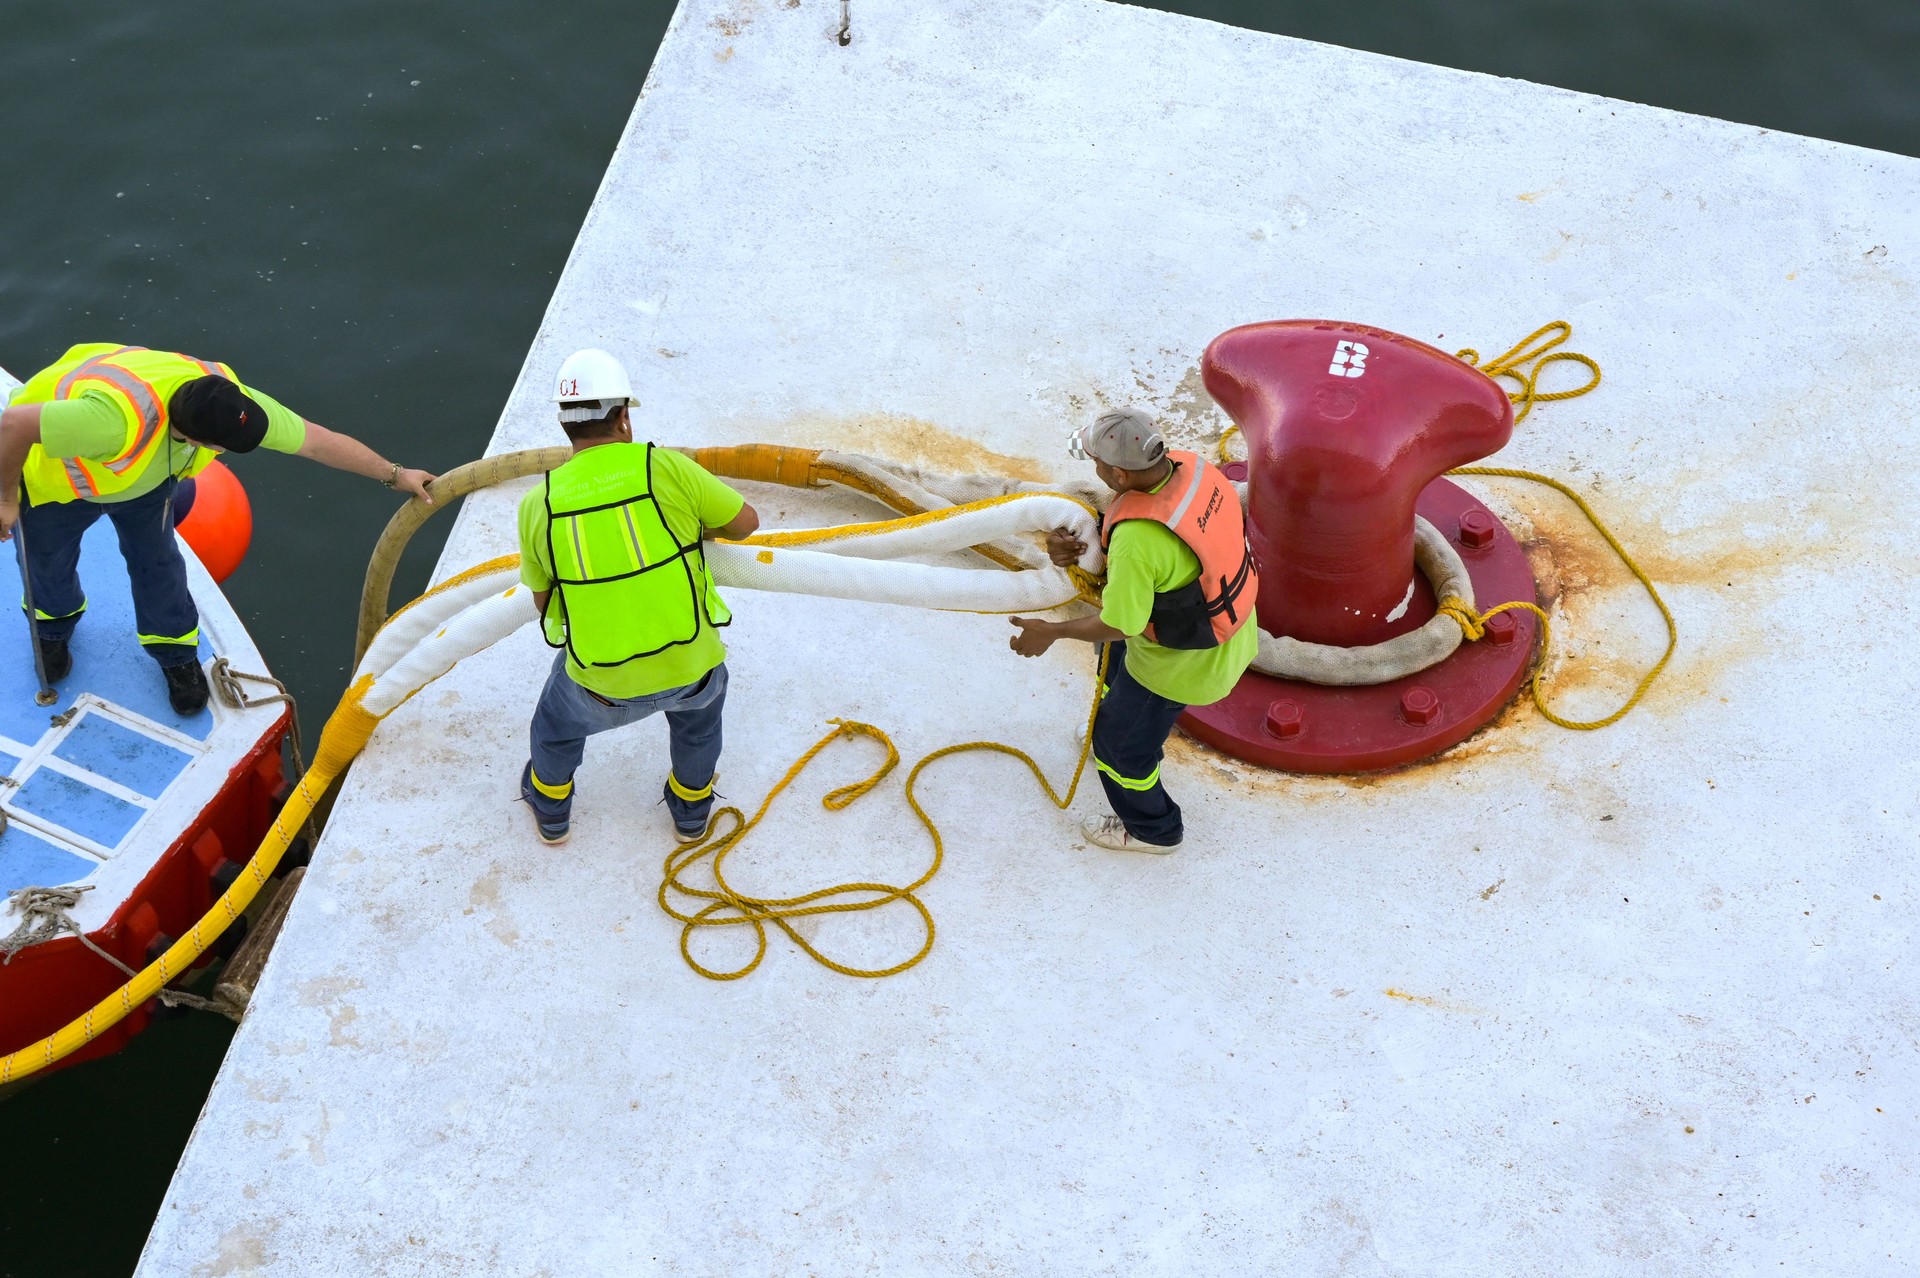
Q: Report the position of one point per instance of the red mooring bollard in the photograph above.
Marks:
(1349, 429)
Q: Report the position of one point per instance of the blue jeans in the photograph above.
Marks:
(164, 614)
(568, 714)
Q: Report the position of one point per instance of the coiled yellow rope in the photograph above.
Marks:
(1526, 361)
(727, 906)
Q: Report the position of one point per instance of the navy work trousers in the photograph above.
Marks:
(1129, 737)
(568, 714)
(163, 611)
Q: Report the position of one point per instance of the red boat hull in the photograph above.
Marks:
(48, 985)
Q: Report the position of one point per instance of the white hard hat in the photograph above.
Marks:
(593, 383)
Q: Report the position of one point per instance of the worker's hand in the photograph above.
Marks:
(1035, 637)
(1064, 548)
(9, 515)
(414, 484)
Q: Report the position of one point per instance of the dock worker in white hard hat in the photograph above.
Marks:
(1177, 611)
(120, 431)
(611, 546)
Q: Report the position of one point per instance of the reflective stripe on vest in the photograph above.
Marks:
(624, 587)
(1200, 507)
(140, 383)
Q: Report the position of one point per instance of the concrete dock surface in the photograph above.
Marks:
(1625, 1002)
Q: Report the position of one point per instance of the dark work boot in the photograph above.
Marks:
(690, 818)
(186, 687)
(57, 657)
(552, 826)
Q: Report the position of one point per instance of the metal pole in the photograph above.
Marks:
(46, 696)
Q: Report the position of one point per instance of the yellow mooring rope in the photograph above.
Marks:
(346, 732)
(1473, 624)
(1526, 361)
(726, 906)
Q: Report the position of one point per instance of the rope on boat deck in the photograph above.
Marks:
(226, 685)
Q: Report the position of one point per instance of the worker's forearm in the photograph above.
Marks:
(744, 524)
(343, 452)
(19, 432)
(1089, 628)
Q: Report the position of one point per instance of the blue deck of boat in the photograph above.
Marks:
(95, 774)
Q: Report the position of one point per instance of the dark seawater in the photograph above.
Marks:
(364, 207)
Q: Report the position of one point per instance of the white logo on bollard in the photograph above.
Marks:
(1349, 360)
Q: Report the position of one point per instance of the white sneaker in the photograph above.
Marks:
(1109, 831)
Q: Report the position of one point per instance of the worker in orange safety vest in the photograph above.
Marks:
(1177, 612)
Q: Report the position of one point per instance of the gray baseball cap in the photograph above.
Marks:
(1125, 437)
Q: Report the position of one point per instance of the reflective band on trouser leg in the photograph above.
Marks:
(560, 791)
(686, 795)
(42, 615)
(189, 639)
(1143, 783)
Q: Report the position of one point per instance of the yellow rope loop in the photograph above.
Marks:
(1527, 360)
(1460, 613)
(726, 906)
(1224, 454)
(1470, 622)
(846, 794)
(1088, 588)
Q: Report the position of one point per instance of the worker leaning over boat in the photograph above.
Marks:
(116, 430)
(610, 544)
(1177, 610)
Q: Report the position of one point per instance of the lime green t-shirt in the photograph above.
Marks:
(91, 425)
(692, 500)
(1146, 558)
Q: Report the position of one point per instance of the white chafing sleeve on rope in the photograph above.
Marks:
(926, 490)
(476, 627)
(953, 529)
(843, 576)
(426, 614)
(1395, 658)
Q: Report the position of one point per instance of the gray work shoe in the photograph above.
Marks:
(1109, 831)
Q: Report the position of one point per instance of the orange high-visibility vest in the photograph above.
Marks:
(1199, 506)
(139, 382)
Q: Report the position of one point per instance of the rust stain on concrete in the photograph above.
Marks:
(912, 440)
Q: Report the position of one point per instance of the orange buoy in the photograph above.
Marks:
(220, 525)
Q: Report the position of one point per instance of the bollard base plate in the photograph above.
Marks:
(1368, 729)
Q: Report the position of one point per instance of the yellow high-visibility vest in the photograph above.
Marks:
(624, 586)
(139, 382)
